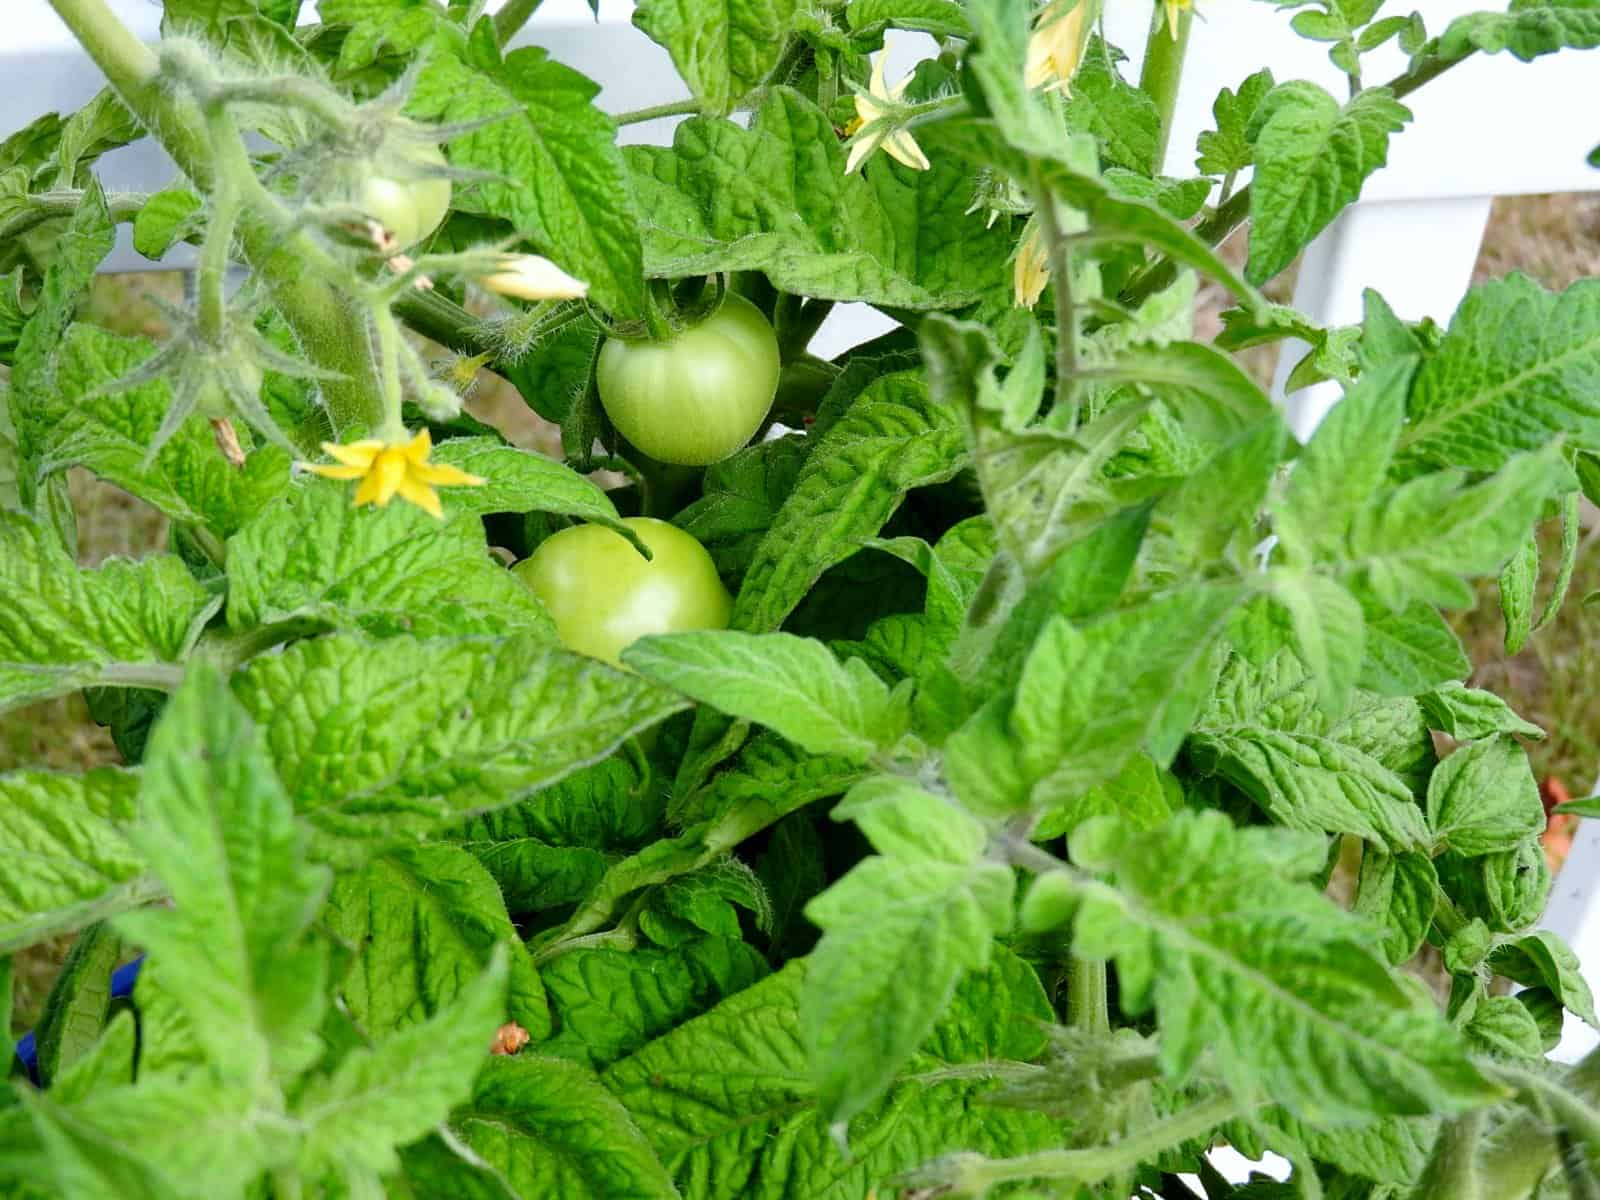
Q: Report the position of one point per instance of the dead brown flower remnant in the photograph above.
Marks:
(509, 1038)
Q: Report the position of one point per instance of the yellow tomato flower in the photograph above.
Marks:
(390, 469)
(874, 130)
(1174, 7)
(1056, 47)
(532, 277)
(1031, 271)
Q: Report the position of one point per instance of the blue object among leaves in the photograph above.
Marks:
(122, 981)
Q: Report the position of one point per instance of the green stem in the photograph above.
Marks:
(289, 90)
(1452, 1170)
(1060, 251)
(1163, 73)
(674, 108)
(211, 281)
(1086, 996)
(1516, 1157)
(1101, 1162)
(510, 19)
(327, 328)
(232, 653)
(49, 206)
(209, 543)
(388, 331)
(158, 676)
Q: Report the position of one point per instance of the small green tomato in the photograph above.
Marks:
(411, 208)
(603, 594)
(695, 398)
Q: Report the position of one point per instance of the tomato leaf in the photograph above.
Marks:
(723, 49)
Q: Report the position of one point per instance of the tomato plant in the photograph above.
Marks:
(1040, 770)
(604, 594)
(699, 395)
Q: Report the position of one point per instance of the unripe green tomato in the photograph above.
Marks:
(700, 395)
(603, 595)
(410, 208)
(216, 399)
(1049, 903)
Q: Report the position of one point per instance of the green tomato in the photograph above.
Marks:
(410, 209)
(697, 397)
(603, 594)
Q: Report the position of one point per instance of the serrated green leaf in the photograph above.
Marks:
(110, 433)
(75, 1011)
(1483, 798)
(168, 217)
(1123, 119)
(1345, 463)
(560, 178)
(727, 1100)
(1226, 148)
(381, 1098)
(313, 555)
(1409, 651)
(741, 498)
(884, 920)
(906, 822)
(792, 685)
(1419, 541)
(776, 199)
(63, 628)
(468, 725)
(1529, 29)
(892, 439)
(1241, 957)
(942, 18)
(1468, 714)
(609, 1003)
(1541, 959)
(549, 1130)
(769, 776)
(1399, 892)
(723, 49)
(424, 922)
(65, 839)
(520, 481)
(1518, 366)
(218, 831)
(1090, 698)
(1311, 159)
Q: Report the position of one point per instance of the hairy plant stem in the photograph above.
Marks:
(673, 108)
(1231, 212)
(1059, 249)
(1086, 996)
(1520, 1152)
(49, 206)
(158, 676)
(1164, 52)
(1101, 1162)
(387, 330)
(211, 291)
(325, 324)
(508, 22)
(1452, 1170)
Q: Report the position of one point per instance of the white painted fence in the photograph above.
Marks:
(1491, 127)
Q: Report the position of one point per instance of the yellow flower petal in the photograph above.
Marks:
(903, 148)
(384, 480)
(356, 454)
(329, 472)
(419, 447)
(859, 150)
(532, 277)
(1056, 47)
(444, 475)
(1031, 271)
(424, 497)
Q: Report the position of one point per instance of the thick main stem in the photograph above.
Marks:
(327, 328)
(1162, 74)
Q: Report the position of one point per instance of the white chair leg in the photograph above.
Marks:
(1417, 254)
